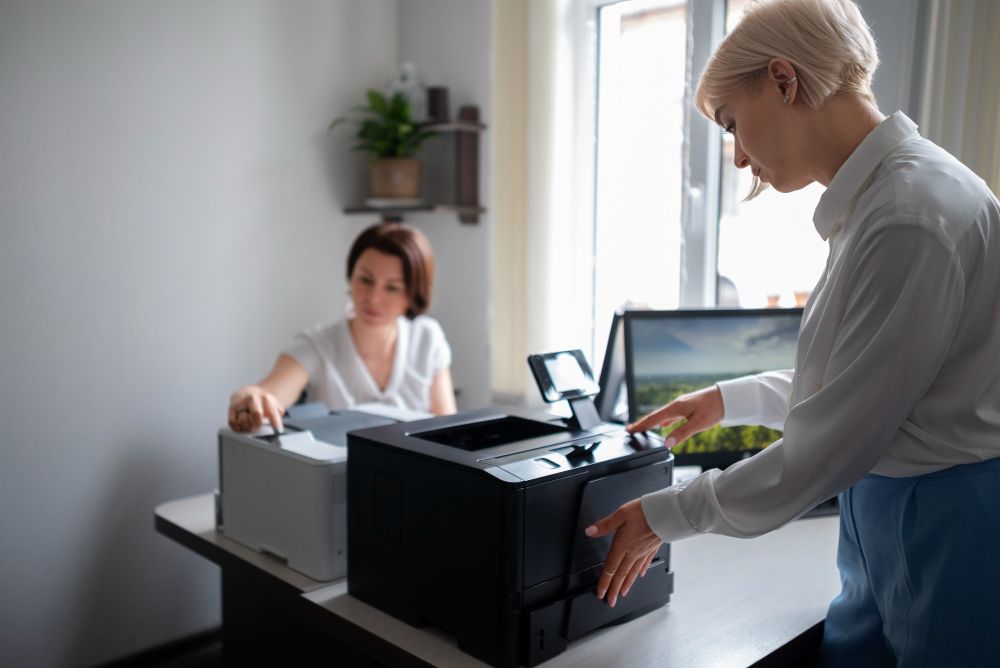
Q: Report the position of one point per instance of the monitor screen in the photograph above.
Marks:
(669, 353)
(566, 374)
(563, 375)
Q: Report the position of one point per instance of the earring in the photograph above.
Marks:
(788, 88)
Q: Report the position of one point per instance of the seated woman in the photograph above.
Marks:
(384, 352)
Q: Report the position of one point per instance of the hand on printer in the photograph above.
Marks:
(249, 406)
(701, 410)
(632, 550)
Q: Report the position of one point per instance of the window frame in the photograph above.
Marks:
(702, 153)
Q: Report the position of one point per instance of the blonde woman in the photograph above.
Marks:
(386, 352)
(895, 399)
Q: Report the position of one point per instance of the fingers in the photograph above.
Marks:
(649, 561)
(249, 407)
(625, 573)
(701, 410)
(609, 573)
(246, 414)
(273, 411)
(618, 552)
(603, 527)
(631, 576)
(666, 415)
(239, 414)
(615, 586)
(632, 550)
(683, 432)
(256, 415)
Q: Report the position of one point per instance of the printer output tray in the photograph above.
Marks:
(551, 627)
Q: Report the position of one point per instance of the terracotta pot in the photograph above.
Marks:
(395, 177)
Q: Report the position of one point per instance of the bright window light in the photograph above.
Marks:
(769, 252)
(640, 134)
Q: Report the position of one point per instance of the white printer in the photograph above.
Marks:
(287, 495)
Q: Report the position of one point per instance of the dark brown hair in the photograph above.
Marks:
(412, 249)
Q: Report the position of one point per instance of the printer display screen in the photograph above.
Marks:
(490, 433)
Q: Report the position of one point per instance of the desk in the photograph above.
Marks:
(736, 602)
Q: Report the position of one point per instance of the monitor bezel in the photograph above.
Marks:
(708, 460)
(612, 378)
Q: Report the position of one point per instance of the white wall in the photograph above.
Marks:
(898, 26)
(169, 216)
(449, 40)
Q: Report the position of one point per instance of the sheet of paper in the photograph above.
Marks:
(303, 443)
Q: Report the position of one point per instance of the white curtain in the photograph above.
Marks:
(543, 218)
(961, 101)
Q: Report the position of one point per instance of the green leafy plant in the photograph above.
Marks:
(386, 128)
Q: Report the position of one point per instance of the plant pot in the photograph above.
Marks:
(395, 177)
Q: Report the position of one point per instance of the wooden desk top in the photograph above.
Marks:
(191, 522)
(735, 603)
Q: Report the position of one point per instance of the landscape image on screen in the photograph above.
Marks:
(675, 355)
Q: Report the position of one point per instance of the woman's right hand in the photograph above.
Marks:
(249, 406)
(702, 409)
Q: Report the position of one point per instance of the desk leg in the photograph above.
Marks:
(262, 626)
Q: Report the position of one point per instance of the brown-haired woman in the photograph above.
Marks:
(386, 351)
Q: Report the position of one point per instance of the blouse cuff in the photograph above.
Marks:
(664, 516)
(740, 401)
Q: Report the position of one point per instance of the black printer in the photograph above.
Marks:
(474, 523)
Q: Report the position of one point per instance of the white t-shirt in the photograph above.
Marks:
(898, 365)
(339, 378)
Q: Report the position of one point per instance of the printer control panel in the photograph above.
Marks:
(544, 462)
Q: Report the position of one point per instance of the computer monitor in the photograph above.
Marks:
(669, 353)
(611, 402)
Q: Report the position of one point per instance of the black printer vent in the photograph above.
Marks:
(490, 433)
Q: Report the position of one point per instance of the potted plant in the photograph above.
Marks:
(390, 135)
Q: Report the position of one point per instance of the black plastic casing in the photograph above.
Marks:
(474, 523)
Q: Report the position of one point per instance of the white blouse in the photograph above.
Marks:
(898, 363)
(339, 378)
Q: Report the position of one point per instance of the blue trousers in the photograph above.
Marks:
(919, 562)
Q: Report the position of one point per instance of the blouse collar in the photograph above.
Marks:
(852, 178)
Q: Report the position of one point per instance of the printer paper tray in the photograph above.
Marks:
(554, 625)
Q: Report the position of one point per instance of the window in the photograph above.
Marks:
(640, 137)
(774, 231)
(669, 226)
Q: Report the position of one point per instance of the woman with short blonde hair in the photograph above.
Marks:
(894, 402)
(829, 42)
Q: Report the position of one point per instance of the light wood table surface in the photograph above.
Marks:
(736, 602)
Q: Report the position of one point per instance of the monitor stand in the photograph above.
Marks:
(585, 415)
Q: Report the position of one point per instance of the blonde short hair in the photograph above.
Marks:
(828, 43)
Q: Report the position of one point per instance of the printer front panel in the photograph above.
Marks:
(559, 558)
(283, 505)
(433, 543)
(485, 556)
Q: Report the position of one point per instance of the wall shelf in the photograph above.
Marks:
(458, 194)
(396, 214)
(458, 126)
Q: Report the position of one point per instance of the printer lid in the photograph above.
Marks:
(303, 443)
(497, 440)
(332, 427)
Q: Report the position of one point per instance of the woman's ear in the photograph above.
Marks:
(780, 70)
(781, 75)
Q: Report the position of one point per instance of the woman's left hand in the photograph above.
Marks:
(632, 550)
